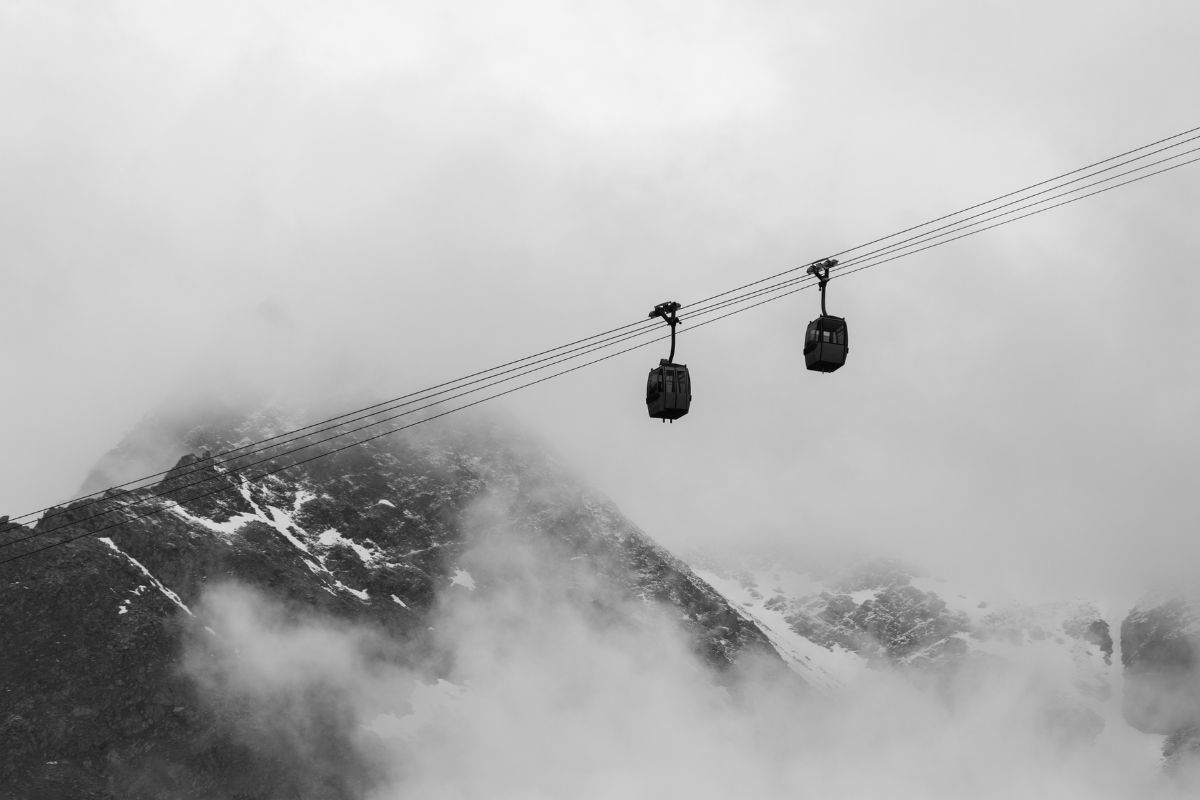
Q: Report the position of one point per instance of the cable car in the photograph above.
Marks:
(669, 386)
(826, 343)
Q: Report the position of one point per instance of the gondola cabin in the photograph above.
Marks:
(825, 345)
(668, 391)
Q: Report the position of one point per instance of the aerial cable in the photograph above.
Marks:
(810, 284)
(707, 310)
(968, 208)
(947, 230)
(946, 233)
(928, 235)
(880, 261)
(375, 421)
(226, 488)
(850, 265)
(308, 443)
(1027, 188)
(1014, 219)
(924, 238)
(603, 344)
(202, 462)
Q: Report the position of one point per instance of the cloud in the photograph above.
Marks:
(549, 686)
(428, 190)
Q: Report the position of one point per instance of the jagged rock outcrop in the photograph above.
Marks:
(92, 703)
(874, 610)
(886, 614)
(1160, 650)
(1182, 749)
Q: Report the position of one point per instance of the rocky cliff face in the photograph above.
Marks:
(102, 640)
(1160, 649)
(881, 613)
(92, 700)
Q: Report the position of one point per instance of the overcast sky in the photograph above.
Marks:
(427, 189)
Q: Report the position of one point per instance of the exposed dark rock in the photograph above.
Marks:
(1088, 626)
(204, 489)
(909, 623)
(1159, 647)
(897, 622)
(1181, 750)
(92, 703)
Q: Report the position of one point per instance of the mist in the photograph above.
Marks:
(417, 193)
(541, 683)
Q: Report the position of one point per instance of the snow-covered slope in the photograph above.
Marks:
(839, 628)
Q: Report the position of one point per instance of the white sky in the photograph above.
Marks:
(429, 189)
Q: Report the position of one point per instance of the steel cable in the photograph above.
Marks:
(879, 256)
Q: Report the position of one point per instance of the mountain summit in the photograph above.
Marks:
(449, 612)
(383, 537)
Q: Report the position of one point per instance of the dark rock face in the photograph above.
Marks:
(878, 612)
(1160, 645)
(897, 622)
(92, 702)
(910, 623)
(1159, 652)
(881, 613)
(1182, 749)
(1095, 631)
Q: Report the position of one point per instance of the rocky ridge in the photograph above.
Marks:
(1160, 650)
(882, 613)
(92, 703)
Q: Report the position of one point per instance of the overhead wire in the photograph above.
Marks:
(928, 235)
(201, 461)
(361, 413)
(365, 410)
(604, 343)
(585, 351)
(308, 442)
(894, 257)
(323, 454)
(996, 199)
(1031, 186)
(943, 234)
(621, 334)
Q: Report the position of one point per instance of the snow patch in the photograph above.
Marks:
(824, 669)
(361, 594)
(387, 503)
(227, 528)
(399, 602)
(330, 537)
(462, 578)
(302, 497)
(174, 598)
(863, 595)
(282, 522)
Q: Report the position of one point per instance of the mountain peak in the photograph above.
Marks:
(382, 536)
